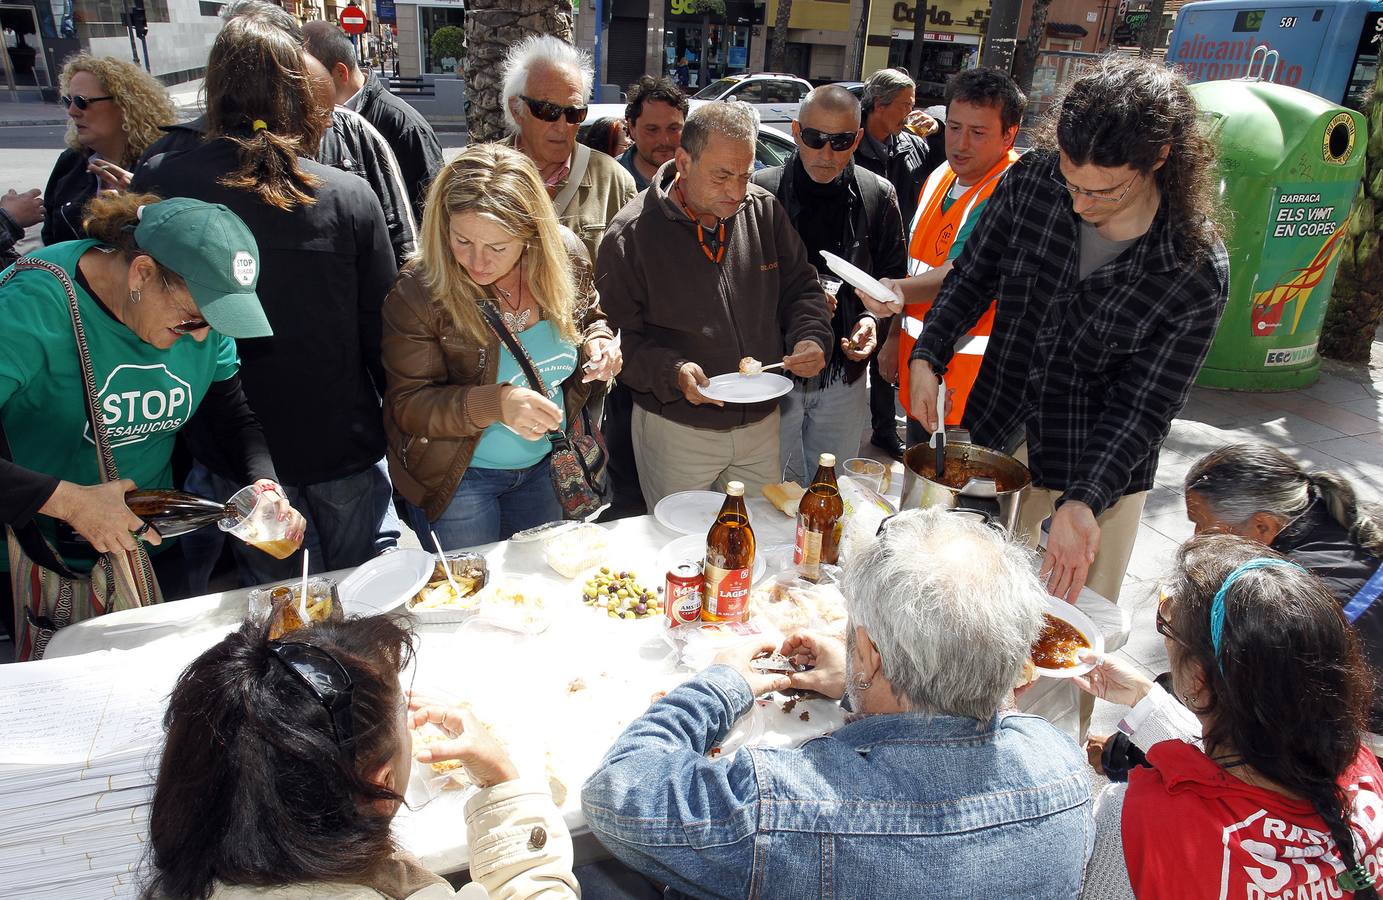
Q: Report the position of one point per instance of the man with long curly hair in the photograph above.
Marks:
(1103, 250)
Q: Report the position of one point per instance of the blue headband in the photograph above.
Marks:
(1217, 606)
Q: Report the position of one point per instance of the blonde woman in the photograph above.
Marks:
(467, 432)
(115, 110)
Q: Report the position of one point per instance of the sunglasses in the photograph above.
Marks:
(1164, 627)
(190, 326)
(82, 102)
(840, 141)
(1098, 196)
(326, 679)
(551, 112)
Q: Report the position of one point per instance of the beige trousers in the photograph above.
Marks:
(673, 457)
(1118, 531)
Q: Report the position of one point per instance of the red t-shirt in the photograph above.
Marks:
(1191, 830)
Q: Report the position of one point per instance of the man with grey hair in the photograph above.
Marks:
(700, 271)
(547, 86)
(837, 208)
(931, 783)
(893, 148)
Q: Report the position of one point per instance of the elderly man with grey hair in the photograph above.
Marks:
(930, 789)
(837, 207)
(546, 89)
(891, 149)
(700, 271)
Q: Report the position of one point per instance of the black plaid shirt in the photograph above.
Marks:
(1092, 371)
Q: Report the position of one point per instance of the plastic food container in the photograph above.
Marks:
(436, 604)
(573, 551)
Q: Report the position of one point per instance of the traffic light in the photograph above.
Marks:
(139, 19)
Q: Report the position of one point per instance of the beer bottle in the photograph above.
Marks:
(729, 560)
(170, 513)
(818, 522)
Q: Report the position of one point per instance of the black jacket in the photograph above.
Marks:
(906, 160)
(325, 269)
(352, 145)
(1319, 544)
(872, 238)
(65, 198)
(414, 144)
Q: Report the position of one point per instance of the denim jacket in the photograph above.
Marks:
(903, 805)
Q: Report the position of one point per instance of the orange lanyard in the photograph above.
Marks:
(719, 253)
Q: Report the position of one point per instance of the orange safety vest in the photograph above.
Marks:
(933, 232)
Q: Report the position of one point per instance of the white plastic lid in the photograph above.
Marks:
(828, 459)
(735, 489)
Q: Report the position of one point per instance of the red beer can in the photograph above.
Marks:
(682, 596)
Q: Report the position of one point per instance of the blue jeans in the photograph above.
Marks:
(350, 521)
(817, 420)
(490, 505)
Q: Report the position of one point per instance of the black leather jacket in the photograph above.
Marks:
(352, 145)
(413, 141)
(905, 160)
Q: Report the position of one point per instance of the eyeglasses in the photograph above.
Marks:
(840, 141)
(1097, 196)
(1164, 627)
(82, 102)
(325, 678)
(190, 326)
(551, 112)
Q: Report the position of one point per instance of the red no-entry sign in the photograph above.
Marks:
(352, 20)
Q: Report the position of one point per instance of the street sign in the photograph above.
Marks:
(385, 11)
(352, 20)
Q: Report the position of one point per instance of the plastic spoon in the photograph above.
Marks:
(446, 569)
(938, 440)
(302, 602)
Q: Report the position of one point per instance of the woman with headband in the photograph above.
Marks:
(1260, 785)
(1312, 517)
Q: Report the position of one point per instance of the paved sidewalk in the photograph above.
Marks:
(186, 98)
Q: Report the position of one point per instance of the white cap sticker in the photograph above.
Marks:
(243, 268)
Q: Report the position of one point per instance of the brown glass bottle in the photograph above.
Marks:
(818, 522)
(170, 513)
(729, 560)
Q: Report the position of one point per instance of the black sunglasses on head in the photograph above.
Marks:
(82, 102)
(551, 112)
(839, 141)
(326, 679)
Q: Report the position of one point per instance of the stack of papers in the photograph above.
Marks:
(79, 746)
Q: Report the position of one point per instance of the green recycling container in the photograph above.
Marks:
(1290, 164)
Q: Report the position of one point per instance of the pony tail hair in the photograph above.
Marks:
(269, 169)
(1365, 527)
(1332, 806)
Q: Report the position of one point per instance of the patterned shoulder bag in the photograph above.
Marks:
(47, 595)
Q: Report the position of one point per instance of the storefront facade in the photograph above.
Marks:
(955, 29)
(417, 21)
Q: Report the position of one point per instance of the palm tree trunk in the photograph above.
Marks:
(1027, 60)
(778, 45)
(491, 26)
(1356, 303)
(919, 42)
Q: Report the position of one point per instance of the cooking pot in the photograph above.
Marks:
(976, 478)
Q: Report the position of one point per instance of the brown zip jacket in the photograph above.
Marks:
(441, 392)
(675, 305)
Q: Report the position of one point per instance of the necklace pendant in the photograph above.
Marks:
(516, 321)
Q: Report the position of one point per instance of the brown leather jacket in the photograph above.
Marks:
(441, 384)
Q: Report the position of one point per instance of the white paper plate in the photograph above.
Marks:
(732, 387)
(858, 278)
(385, 582)
(692, 548)
(689, 512)
(1082, 623)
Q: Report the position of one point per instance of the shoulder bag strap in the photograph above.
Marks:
(1360, 603)
(142, 571)
(520, 355)
(580, 160)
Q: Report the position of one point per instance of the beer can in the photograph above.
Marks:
(682, 595)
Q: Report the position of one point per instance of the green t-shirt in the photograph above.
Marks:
(146, 394)
(499, 447)
(968, 226)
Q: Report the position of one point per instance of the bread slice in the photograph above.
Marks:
(785, 496)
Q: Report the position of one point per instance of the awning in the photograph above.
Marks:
(1065, 30)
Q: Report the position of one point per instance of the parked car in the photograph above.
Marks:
(775, 95)
(773, 148)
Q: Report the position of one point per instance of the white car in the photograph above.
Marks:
(775, 95)
(773, 148)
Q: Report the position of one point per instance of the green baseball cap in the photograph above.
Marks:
(215, 253)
